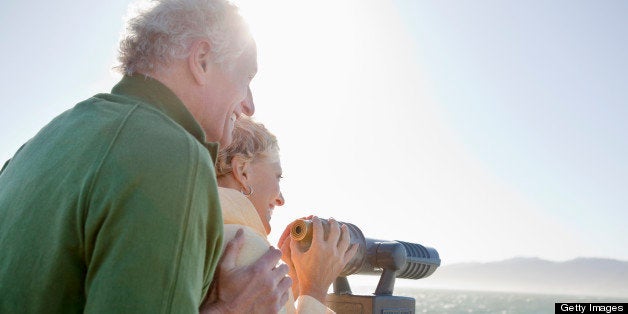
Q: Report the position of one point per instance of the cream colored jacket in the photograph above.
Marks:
(239, 213)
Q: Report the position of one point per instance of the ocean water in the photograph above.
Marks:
(458, 301)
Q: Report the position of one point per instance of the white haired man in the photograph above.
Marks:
(112, 207)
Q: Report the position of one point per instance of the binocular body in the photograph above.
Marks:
(374, 256)
(389, 259)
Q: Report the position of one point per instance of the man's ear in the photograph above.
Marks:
(240, 169)
(199, 61)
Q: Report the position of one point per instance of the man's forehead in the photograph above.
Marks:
(250, 56)
(246, 63)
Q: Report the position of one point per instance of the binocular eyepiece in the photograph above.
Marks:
(391, 259)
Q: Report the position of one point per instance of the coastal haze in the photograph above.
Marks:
(582, 276)
(484, 129)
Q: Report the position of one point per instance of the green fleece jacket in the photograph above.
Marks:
(111, 208)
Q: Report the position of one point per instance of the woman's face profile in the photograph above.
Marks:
(264, 175)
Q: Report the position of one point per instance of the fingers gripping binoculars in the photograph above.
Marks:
(389, 259)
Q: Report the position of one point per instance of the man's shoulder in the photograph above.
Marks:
(123, 115)
(124, 107)
(136, 132)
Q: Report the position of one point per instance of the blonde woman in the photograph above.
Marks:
(249, 172)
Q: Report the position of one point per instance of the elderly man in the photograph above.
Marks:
(113, 207)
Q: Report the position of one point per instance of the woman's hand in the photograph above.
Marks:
(286, 256)
(286, 253)
(318, 267)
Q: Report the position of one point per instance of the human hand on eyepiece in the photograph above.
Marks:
(321, 264)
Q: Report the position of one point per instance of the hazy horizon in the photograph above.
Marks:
(585, 277)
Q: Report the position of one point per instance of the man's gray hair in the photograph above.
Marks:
(166, 29)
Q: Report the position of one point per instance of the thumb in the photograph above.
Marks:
(284, 236)
(228, 260)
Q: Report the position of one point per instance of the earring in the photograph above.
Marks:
(250, 191)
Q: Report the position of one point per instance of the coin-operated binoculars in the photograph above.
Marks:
(389, 259)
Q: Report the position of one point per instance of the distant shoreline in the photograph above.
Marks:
(410, 291)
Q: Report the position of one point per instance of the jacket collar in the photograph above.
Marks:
(152, 92)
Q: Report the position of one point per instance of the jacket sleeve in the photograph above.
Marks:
(153, 227)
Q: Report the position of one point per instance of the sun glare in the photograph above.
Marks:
(340, 84)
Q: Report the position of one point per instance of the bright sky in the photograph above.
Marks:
(484, 129)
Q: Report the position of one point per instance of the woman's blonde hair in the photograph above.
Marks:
(251, 140)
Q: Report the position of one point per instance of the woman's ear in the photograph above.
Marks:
(240, 170)
(199, 61)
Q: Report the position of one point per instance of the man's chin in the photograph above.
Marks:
(226, 139)
(227, 135)
(224, 143)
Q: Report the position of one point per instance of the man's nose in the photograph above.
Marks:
(280, 200)
(248, 107)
